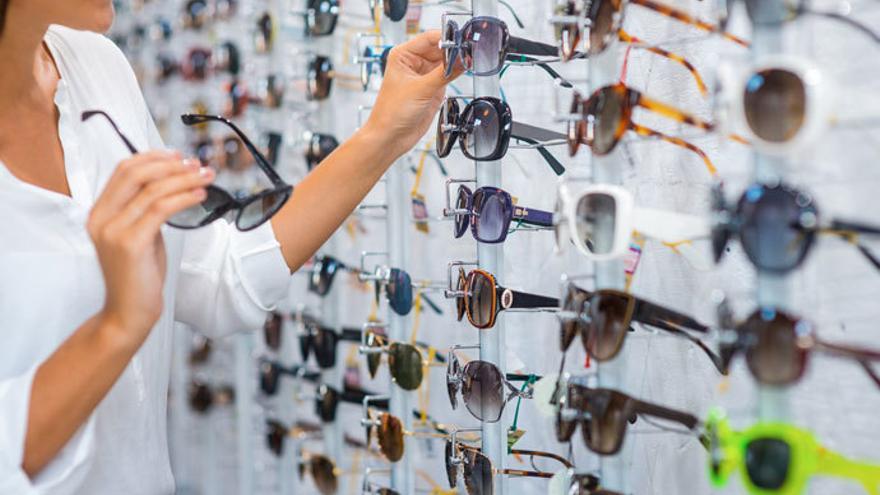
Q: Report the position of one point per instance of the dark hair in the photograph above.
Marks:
(3, 5)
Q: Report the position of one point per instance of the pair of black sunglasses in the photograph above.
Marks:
(248, 213)
(777, 226)
(484, 128)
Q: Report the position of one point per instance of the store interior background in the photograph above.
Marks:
(220, 452)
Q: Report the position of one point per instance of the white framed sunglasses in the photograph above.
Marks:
(599, 219)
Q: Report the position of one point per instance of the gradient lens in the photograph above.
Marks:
(597, 222)
(773, 354)
(324, 472)
(482, 130)
(484, 45)
(405, 363)
(775, 102)
(767, 462)
(609, 321)
(261, 208)
(770, 232)
(574, 304)
(604, 113)
(449, 114)
(480, 300)
(477, 473)
(324, 344)
(492, 214)
(604, 432)
(483, 390)
(391, 437)
(462, 203)
(602, 29)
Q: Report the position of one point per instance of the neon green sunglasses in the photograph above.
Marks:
(778, 458)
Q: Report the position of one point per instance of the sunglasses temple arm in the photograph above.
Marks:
(647, 132)
(864, 356)
(859, 228)
(545, 67)
(527, 216)
(686, 18)
(844, 19)
(91, 113)
(638, 43)
(535, 453)
(523, 46)
(717, 361)
(536, 135)
(687, 420)
(351, 334)
(516, 18)
(431, 304)
(356, 396)
(524, 474)
(832, 463)
(524, 300)
(650, 313)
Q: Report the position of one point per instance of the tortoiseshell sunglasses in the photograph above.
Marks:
(606, 115)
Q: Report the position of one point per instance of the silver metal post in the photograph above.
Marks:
(244, 410)
(491, 258)
(604, 69)
(398, 230)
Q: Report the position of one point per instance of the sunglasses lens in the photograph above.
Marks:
(596, 222)
(492, 213)
(483, 391)
(405, 363)
(577, 129)
(483, 46)
(268, 378)
(602, 28)
(767, 462)
(261, 208)
(567, 34)
(604, 432)
(482, 130)
(272, 331)
(774, 357)
(275, 438)
(400, 293)
(609, 322)
(573, 303)
(481, 300)
(770, 235)
(324, 344)
(212, 208)
(328, 399)
(324, 17)
(461, 301)
(448, 117)
(477, 473)
(391, 438)
(461, 221)
(449, 54)
(320, 82)
(564, 427)
(395, 9)
(453, 374)
(775, 104)
(604, 112)
(375, 359)
(451, 468)
(324, 472)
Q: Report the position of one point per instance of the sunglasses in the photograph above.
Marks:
(603, 318)
(372, 58)
(484, 129)
(599, 219)
(324, 272)
(778, 345)
(604, 414)
(319, 78)
(567, 482)
(489, 211)
(777, 226)
(479, 473)
(322, 341)
(196, 64)
(204, 397)
(778, 458)
(774, 13)
(398, 288)
(321, 17)
(249, 212)
(601, 121)
(477, 297)
(200, 350)
(323, 470)
(270, 373)
(395, 10)
(482, 45)
(265, 33)
(390, 433)
(318, 148)
(277, 434)
(406, 363)
(482, 385)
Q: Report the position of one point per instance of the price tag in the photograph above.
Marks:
(420, 213)
(513, 436)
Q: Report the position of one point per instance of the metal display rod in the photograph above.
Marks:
(398, 230)
(491, 258)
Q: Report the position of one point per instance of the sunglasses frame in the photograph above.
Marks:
(509, 300)
(455, 383)
(526, 216)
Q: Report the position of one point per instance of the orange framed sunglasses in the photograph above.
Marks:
(601, 121)
(478, 298)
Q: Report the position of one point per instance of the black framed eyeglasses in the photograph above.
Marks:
(249, 212)
(484, 128)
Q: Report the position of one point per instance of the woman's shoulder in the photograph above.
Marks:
(87, 46)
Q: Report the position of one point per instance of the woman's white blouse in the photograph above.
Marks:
(219, 281)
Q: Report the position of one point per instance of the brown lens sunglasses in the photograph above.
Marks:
(604, 317)
(607, 115)
(479, 299)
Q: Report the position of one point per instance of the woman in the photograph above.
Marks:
(91, 279)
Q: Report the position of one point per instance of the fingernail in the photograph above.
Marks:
(206, 172)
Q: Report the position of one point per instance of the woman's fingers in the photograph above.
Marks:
(425, 46)
(146, 228)
(133, 174)
(157, 190)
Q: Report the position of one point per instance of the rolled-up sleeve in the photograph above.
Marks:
(70, 463)
(229, 279)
